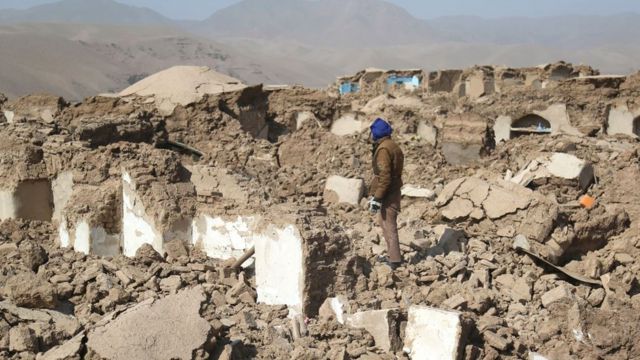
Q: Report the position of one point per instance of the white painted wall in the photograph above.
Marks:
(62, 188)
(279, 267)
(348, 191)
(137, 229)
(223, 239)
(63, 234)
(621, 121)
(432, 334)
(95, 240)
(558, 117)
(8, 207)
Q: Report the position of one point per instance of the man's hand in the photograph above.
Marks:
(374, 205)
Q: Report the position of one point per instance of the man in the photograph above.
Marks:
(385, 190)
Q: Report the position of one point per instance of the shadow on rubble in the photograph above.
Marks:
(233, 350)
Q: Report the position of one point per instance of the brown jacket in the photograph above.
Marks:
(388, 162)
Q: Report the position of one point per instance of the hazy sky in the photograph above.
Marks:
(199, 9)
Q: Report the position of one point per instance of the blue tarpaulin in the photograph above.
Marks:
(348, 88)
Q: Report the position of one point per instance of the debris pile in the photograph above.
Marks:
(122, 219)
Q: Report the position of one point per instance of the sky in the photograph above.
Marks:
(200, 9)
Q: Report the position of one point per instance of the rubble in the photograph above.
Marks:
(122, 220)
(163, 329)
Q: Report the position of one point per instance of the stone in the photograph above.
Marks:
(171, 284)
(8, 248)
(148, 255)
(335, 307)
(383, 325)
(169, 328)
(433, 334)
(176, 249)
(457, 209)
(521, 242)
(521, 290)
(560, 293)
(70, 350)
(448, 192)
(502, 201)
(30, 291)
(570, 167)
(495, 341)
(341, 190)
(32, 254)
(455, 302)
(428, 133)
(413, 191)
(22, 338)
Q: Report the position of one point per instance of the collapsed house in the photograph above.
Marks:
(135, 208)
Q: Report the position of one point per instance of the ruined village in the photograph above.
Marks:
(127, 219)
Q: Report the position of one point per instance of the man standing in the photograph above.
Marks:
(385, 190)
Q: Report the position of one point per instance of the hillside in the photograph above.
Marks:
(76, 61)
(85, 11)
(326, 23)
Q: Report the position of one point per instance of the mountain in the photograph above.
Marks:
(574, 32)
(85, 11)
(322, 23)
(80, 60)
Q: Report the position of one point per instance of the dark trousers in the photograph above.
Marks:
(388, 221)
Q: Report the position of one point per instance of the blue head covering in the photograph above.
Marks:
(380, 129)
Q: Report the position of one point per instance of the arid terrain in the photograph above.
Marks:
(123, 217)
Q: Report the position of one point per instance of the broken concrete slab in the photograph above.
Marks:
(433, 334)
(70, 350)
(505, 200)
(413, 191)
(339, 190)
(169, 328)
(561, 165)
(383, 325)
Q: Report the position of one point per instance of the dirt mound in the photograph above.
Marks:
(182, 85)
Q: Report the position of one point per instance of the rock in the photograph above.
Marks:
(32, 254)
(624, 259)
(417, 192)
(30, 291)
(495, 341)
(521, 242)
(457, 209)
(176, 249)
(433, 334)
(341, 190)
(147, 255)
(171, 284)
(70, 350)
(565, 166)
(449, 192)
(596, 297)
(383, 325)
(502, 201)
(6, 249)
(560, 293)
(521, 290)
(22, 338)
(336, 308)
(169, 328)
(454, 302)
